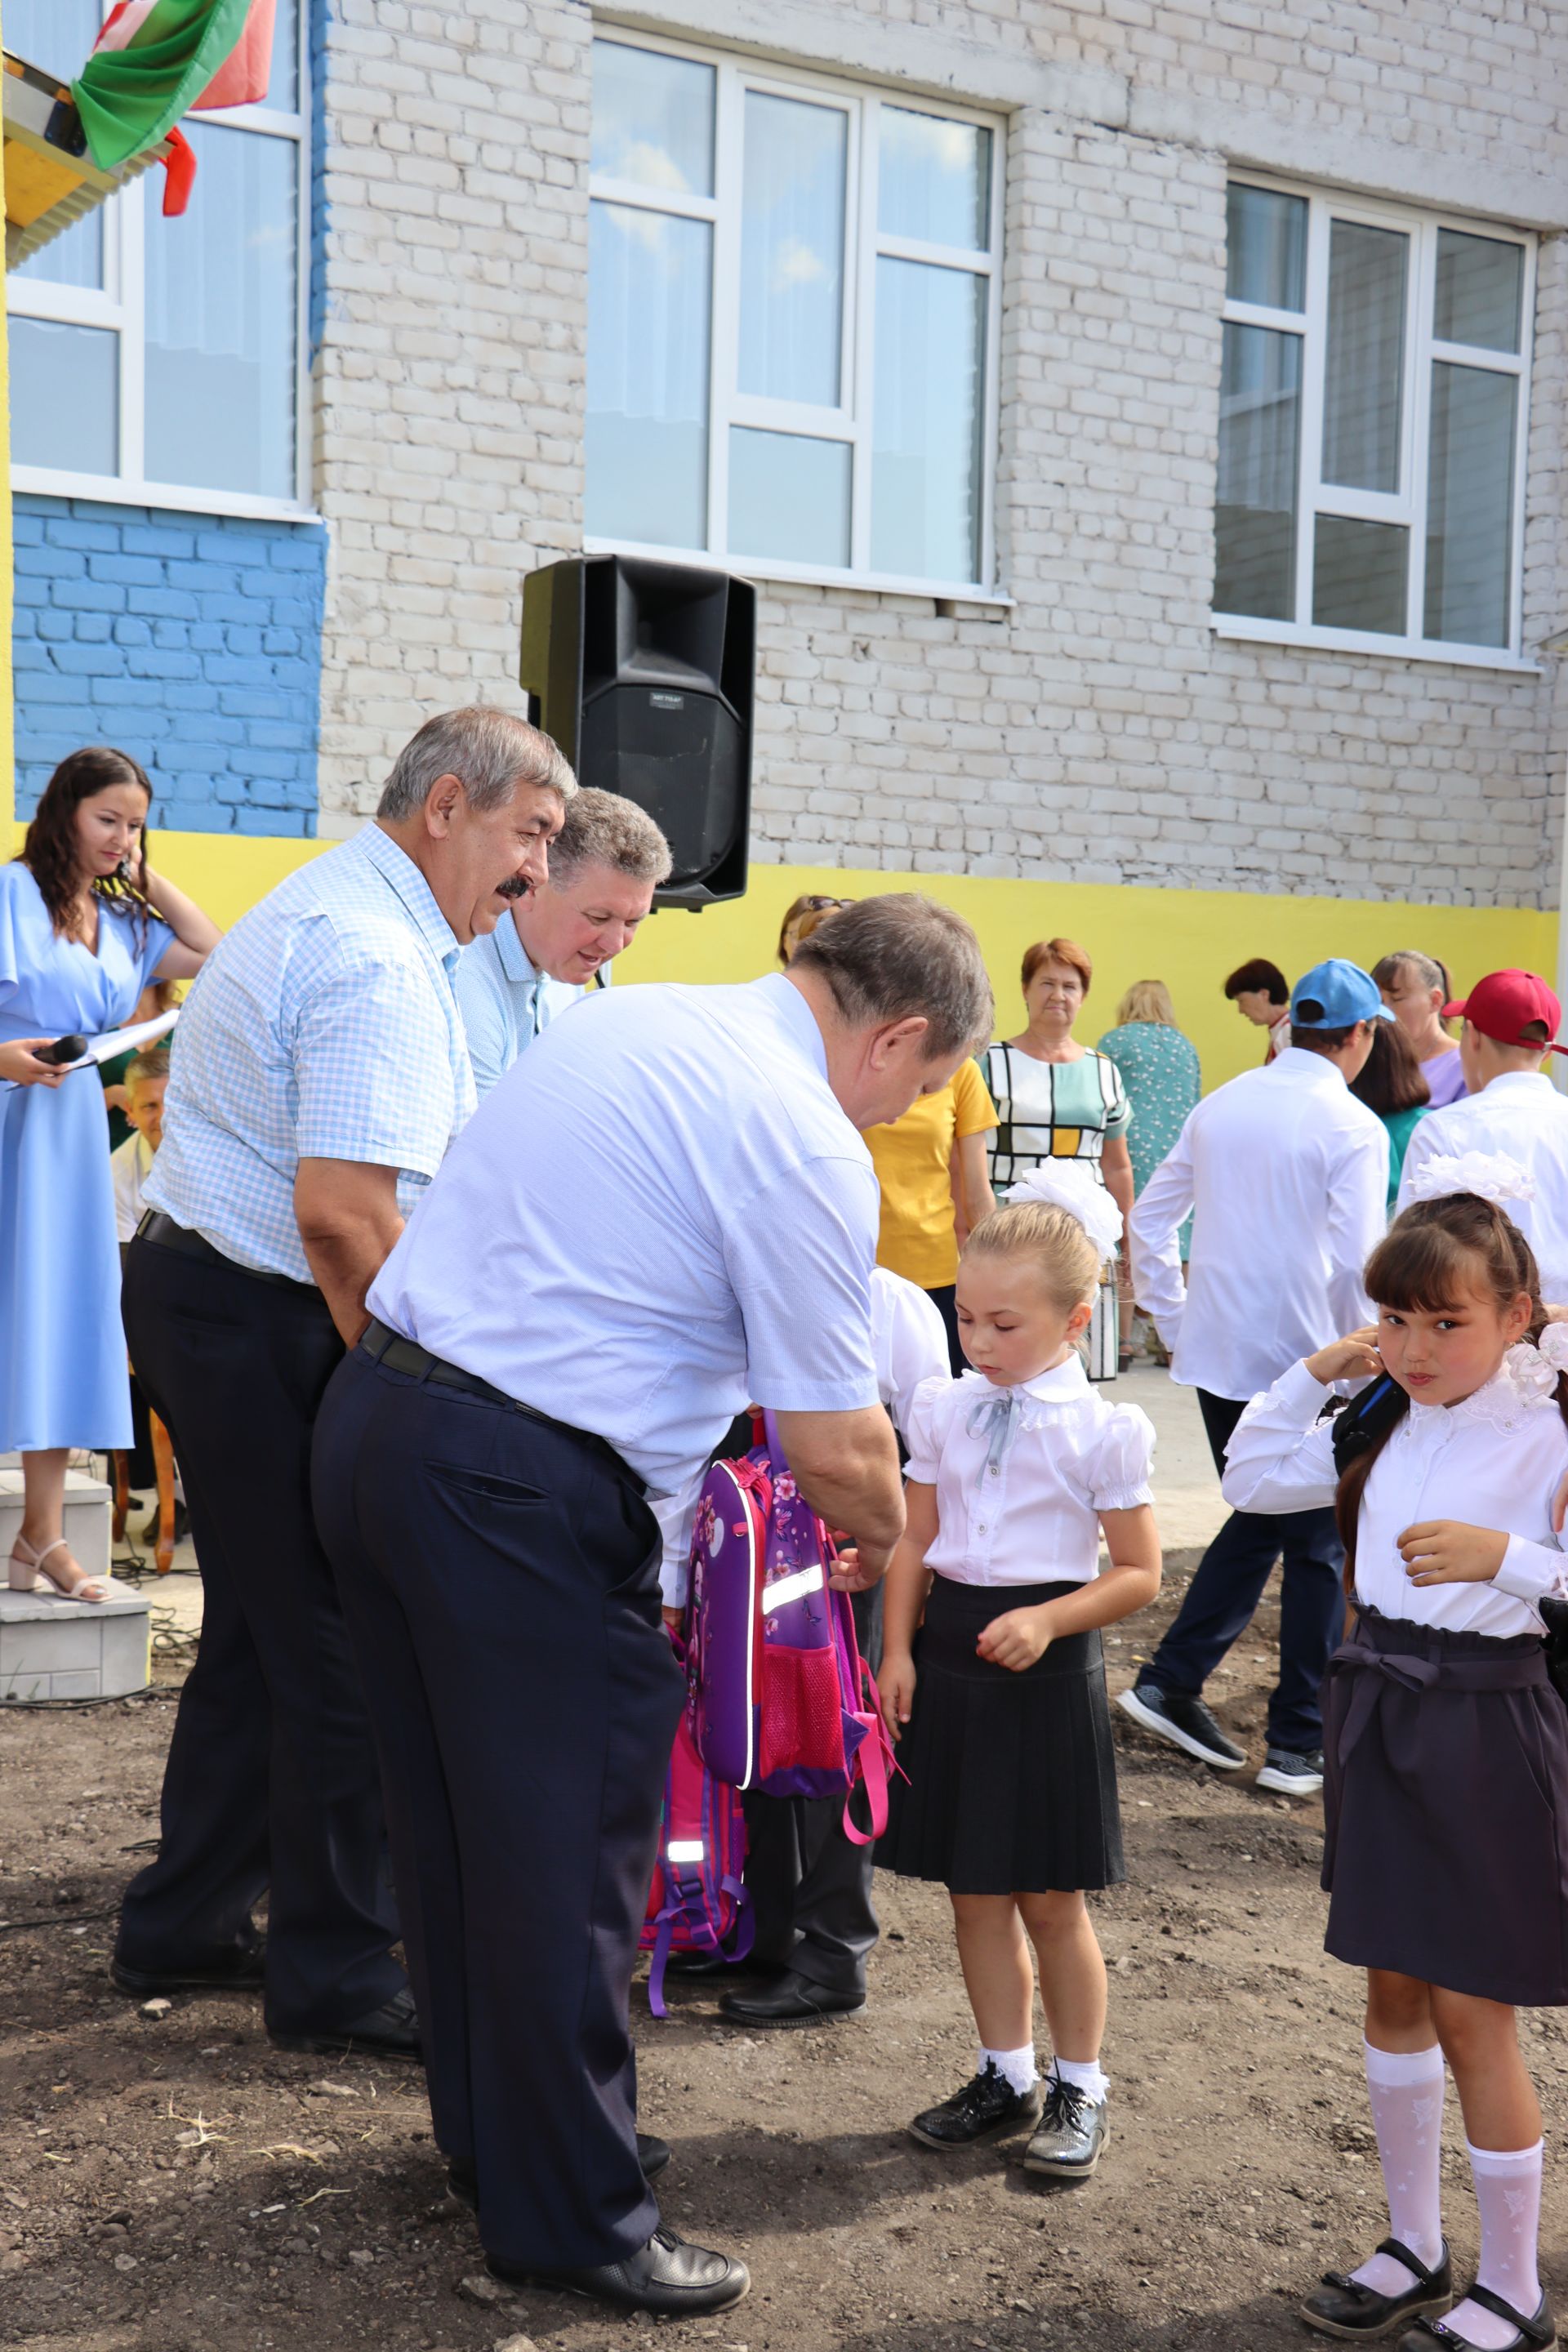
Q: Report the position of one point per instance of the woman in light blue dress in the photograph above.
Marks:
(83, 927)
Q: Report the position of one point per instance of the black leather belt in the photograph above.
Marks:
(384, 1346)
(164, 1234)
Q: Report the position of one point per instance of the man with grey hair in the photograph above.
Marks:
(320, 1074)
(664, 1211)
(606, 863)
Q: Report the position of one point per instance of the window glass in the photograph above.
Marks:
(925, 478)
(792, 249)
(65, 396)
(653, 119)
(58, 35)
(1480, 291)
(1470, 505)
(1360, 575)
(789, 497)
(1260, 472)
(283, 77)
(933, 178)
(221, 321)
(650, 276)
(1265, 248)
(1363, 379)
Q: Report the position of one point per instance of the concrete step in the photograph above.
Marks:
(53, 1648)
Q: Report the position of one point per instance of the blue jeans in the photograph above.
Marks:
(1222, 1598)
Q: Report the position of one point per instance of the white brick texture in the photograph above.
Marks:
(1096, 730)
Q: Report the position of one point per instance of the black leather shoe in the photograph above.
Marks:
(1349, 2310)
(666, 2275)
(463, 2182)
(240, 1971)
(789, 2001)
(1537, 2334)
(390, 2032)
(1183, 1722)
(714, 1963)
(986, 2108)
(1073, 2132)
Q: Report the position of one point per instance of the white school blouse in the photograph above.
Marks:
(1025, 1510)
(1494, 1461)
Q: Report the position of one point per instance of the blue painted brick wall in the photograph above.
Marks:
(193, 642)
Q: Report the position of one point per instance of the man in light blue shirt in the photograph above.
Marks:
(606, 863)
(321, 1075)
(664, 1211)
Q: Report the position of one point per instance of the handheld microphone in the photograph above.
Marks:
(64, 1049)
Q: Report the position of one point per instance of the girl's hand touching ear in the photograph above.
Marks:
(1355, 1357)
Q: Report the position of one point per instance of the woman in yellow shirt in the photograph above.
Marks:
(931, 1167)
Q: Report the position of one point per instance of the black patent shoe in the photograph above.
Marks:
(1351, 2310)
(1073, 2133)
(1538, 2333)
(463, 2182)
(390, 2032)
(666, 2275)
(241, 1968)
(988, 2107)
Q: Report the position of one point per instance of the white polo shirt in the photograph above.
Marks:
(1285, 1175)
(1523, 1115)
(659, 1215)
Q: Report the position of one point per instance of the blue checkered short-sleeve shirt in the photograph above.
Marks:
(324, 1027)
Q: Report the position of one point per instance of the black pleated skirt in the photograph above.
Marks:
(1012, 1776)
(1445, 1801)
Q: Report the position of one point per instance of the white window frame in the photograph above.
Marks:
(1408, 506)
(120, 304)
(853, 420)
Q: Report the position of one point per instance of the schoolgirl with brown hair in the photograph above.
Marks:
(1445, 1858)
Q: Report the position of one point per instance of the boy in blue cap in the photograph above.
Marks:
(1286, 1177)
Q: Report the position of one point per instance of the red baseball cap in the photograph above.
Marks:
(1505, 1004)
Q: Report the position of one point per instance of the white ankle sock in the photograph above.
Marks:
(1405, 2088)
(1016, 2067)
(1508, 2190)
(1084, 2074)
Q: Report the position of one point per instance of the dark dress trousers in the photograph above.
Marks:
(271, 1784)
(499, 1575)
(1222, 1598)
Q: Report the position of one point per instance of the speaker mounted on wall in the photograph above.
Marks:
(643, 673)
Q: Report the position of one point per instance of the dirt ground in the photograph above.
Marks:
(175, 2185)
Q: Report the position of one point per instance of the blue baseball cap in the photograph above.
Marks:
(1344, 993)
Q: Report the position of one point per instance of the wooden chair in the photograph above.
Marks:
(164, 1464)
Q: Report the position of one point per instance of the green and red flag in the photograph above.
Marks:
(157, 59)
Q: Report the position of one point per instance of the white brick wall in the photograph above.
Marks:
(1097, 731)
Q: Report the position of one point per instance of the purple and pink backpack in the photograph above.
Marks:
(778, 1697)
(697, 1901)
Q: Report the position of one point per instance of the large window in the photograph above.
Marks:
(794, 289)
(1371, 426)
(161, 360)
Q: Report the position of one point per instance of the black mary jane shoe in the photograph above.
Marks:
(1538, 2333)
(1362, 2314)
(463, 2182)
(665, 2275)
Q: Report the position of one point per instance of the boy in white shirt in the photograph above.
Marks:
(131, 1164)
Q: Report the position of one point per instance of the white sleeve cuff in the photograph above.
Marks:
(1530, 1571)
(1300, 1392)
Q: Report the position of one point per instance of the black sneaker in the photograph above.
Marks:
(1289, 1775)
(986, 2108)
(1183, 1722)
(1072, 2134)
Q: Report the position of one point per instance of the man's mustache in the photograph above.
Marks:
(516, 886)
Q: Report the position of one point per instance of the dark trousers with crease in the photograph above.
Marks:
(810, 1885)
(271, 1784)
(1224, 1594)
(501, 1579)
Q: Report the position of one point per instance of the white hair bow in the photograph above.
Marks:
(1492, 1175)
(1063, 1184)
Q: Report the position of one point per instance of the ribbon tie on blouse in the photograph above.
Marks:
(995, 1418)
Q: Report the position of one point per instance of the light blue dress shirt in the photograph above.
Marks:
(659, 1215)
(506, 1001)
(324, 1027)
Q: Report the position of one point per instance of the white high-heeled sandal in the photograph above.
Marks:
(29, 1562)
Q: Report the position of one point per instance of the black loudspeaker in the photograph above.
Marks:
(642, 672)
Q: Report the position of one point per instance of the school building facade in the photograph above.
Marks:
(1145, 424)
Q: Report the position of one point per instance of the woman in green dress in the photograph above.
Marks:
(1058, 1100)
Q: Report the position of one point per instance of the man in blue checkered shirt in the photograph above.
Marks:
(320, 1074)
